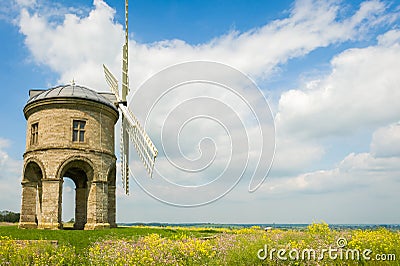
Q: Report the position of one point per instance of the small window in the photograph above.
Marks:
(78, 131)
(34, 133)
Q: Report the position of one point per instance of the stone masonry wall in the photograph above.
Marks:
(56, 154)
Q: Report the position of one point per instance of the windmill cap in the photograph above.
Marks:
(72, 91)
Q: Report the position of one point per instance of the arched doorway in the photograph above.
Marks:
(31, 195)
(80, 172)
(68, 203)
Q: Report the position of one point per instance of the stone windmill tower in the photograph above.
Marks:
(70, 133)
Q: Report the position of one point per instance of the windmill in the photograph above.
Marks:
(131, 130)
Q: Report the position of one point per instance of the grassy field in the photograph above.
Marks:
(81, 239)
(144, 245)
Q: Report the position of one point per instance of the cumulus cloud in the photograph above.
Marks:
(353, 172)
(386, 141)
(379, 168)
(362, 90)
(293, 156)
(78, 46)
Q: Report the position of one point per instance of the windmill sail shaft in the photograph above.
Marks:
(131, 130)
(125, 91)
(125, 56)
(125, 154)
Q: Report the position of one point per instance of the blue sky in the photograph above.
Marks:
(329, 70)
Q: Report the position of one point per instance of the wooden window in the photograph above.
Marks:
(78, 131)
(34, 133)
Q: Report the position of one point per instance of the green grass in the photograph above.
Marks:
(81, 239)
(147, 245)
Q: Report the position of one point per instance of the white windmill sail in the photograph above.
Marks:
(125, 154)
(112, 82)
(141, 141)
(131, 130)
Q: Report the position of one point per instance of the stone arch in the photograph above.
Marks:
(32, 162)
(79, 162)
(81, 171)
(111, 175)
(33, 174)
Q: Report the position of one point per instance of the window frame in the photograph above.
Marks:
(78, 133)
(34, 139)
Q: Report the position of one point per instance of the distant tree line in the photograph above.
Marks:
(9, 216)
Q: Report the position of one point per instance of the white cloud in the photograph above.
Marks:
(389, 39)
(26, 3)
(3, 155)
(386, 141)
(293, 156)
(377, 170)
(361, 91)
(8, 11)
(355, 172)
(78, 46)
(258, 52)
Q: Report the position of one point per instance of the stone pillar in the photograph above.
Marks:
(39, 203)
(80, 208)
(28, 205)
(51, 204)
(111, 206)
(97, 211)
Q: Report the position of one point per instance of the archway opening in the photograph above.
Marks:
(31, 195)
(68, 203)
(80, 172)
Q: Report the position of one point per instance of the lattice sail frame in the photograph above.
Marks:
(112, 82)
(131, 130)
(124, 154)
(135, 133)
